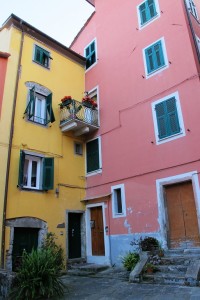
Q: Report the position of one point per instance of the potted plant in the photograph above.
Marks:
(150, 268)
(66, 100)
(88, 102)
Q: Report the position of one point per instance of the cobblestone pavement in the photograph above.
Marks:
(107, 288)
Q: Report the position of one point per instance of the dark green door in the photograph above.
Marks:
(74, 235)
(24, 239)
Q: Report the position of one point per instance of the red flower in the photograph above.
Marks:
(89, 100)
(66, 98)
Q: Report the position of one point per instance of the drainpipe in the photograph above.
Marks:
(10, 146)
(192, 31)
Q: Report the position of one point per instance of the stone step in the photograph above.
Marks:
(86, 269)
(172, 269)
(162, 278)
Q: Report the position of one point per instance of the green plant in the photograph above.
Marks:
(57, 250)
(150, 268)
(130, 260)
(149, 244)
(38, 277)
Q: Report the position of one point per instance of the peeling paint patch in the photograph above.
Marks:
(128, 226)
(130, 210)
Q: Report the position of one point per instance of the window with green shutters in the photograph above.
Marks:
(90, 54)
(39, 108)
(41, 56)
(92, 156)
(154, 57)
(147, 11)
(35, 172)
(167, 118)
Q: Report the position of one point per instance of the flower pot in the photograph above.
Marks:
(87, 104)
(66, 102)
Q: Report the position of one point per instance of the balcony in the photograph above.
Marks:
(76, 117)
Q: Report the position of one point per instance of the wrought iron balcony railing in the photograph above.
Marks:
(74, 110)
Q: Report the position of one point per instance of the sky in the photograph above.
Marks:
(60, 19)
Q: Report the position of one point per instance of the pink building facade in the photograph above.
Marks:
(143, 163)
(3, 66)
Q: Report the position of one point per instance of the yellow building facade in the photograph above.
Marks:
(46, 165)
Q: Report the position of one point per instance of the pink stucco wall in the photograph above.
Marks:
(3, 66)
(129, 151)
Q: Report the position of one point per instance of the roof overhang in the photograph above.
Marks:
(4, 54)
(41, 36)
(92, 2)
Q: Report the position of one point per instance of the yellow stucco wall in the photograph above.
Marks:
(65, 77)
(6, 113)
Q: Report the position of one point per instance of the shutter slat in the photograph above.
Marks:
(48, 173)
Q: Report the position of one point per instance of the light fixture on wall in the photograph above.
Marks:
(57, 192)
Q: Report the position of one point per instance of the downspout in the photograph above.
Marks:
(10, 146)
(192, 31)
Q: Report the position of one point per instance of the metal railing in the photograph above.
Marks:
(74, 110)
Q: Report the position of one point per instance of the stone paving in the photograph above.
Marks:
(104, 286)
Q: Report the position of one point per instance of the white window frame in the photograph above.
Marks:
(198, 42)
(30, 159)
(92, 93)
(94, 40)
(80, 153)
(141, 26)
(123, 199)
(100, 159)
(192, 8)
(40, 118)
(180, 118)
(161, 69)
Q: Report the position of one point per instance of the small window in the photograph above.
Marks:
(147, 11)
(168, 118)
(41, 56)
(93, 162)
(155, 57)
(91, 54)
(118, 201)
(192, 7)
(78, 148)
(35, 172)
(39, 109)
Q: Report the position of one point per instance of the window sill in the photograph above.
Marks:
(29, 189)
(156, 71)
(119, 215)
(94, 172)
(170, 138)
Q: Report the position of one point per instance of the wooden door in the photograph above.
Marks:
(97, 231)
(24, 239)
(183, 229)
(74, 235)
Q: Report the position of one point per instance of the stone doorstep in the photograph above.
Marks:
(86, 269)
(192, 275)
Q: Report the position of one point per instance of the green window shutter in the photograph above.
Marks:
(151, 9)
(49, 111)
(48, 173)
(92, 155)
(173, 122)
(167, 118)
(154, 57)
(21, 168)
(90, 54)
(161, 120)
(30, 109)
(143, 13)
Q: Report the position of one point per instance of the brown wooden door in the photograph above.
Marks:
(97, 231)
(182, 216)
